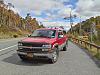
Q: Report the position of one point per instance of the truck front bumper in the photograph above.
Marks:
(35, 55)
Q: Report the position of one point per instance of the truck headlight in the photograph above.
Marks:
(46, 46)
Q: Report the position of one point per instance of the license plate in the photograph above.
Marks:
(36, 54)
(30, 55)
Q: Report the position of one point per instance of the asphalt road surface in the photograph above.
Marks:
(72, 62)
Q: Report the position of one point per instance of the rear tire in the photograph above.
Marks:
(65, 47)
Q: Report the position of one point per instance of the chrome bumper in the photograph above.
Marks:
(48, 55)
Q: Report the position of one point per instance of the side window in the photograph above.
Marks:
(60, 34)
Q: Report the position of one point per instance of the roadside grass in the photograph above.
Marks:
(92, 50)
(97, 42)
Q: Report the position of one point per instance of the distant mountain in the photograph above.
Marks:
(12, 23)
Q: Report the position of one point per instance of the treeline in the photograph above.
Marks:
(94, 23)
(12, 23)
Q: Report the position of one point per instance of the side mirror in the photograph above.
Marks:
(61, 36)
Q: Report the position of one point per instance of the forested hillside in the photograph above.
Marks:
(12, 24)
(86, 29)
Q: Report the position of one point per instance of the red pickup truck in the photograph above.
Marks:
(43, 43)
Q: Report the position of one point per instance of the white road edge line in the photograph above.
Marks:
(8, 47)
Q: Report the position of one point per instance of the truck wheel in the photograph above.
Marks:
(23, 58)
(55, 55)
(65, 47)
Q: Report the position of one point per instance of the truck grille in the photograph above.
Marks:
(31, 50)
(33, 44)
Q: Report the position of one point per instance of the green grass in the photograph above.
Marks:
(97, 56)
(97, 42)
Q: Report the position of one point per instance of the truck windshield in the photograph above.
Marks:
(44, 33)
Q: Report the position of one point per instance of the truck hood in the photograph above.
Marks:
(39, 40)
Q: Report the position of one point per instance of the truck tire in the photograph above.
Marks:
(55, 56)
(22, 58)
(65, 47)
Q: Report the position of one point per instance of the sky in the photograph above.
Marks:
(53, 12)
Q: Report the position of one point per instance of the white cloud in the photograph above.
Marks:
(38, 6)
(88, 8)
(35, 5)
(40, 19)
(66, 25)
(64, 12)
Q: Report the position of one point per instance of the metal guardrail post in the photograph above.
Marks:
(98, 52)
(90, 46)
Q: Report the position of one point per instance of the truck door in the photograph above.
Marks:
(60, 39)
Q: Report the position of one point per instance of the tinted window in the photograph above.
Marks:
(44, 33)
(60, 34)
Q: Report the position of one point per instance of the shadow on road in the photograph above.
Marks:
(14, 59)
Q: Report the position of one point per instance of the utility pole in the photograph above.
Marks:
(94, 29)
(80, 30)
(71, 21)
(91, 33)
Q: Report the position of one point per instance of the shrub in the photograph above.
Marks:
(15, 35)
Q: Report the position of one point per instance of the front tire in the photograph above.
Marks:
(55, 56)
(22, 58)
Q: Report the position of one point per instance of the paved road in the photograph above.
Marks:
(72, 62)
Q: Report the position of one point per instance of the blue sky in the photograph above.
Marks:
(52, 12)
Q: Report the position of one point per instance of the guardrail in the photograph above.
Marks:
(93, 48)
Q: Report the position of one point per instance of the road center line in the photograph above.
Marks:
(8, 47)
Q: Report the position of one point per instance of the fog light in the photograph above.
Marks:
(44, 49)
